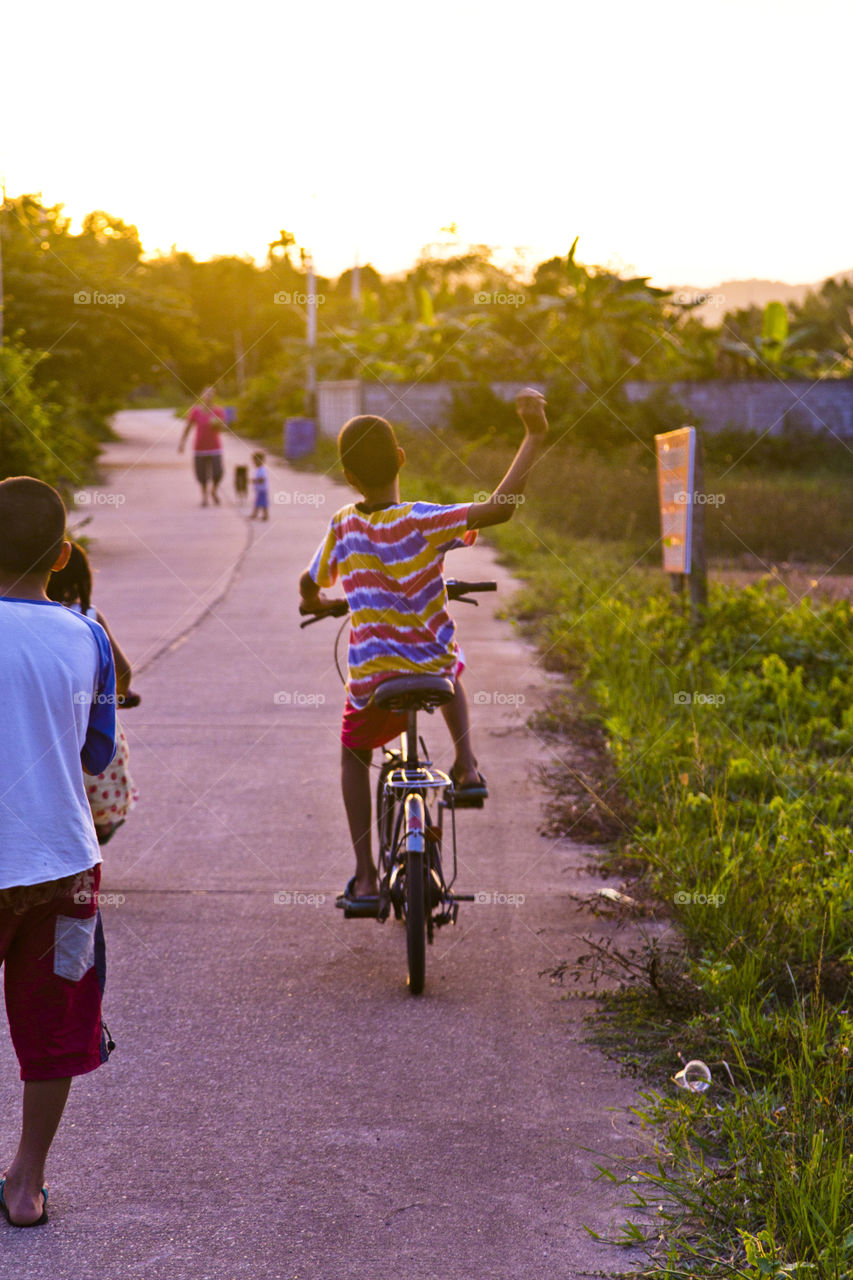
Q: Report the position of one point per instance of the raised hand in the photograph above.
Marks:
(531, 409)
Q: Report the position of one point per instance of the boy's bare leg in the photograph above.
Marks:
(355, 783)
(44, 1103)
(459, 723)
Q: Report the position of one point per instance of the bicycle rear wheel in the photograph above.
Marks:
(385, 815)
(415, 897)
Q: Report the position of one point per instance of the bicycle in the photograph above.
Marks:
(411, 877)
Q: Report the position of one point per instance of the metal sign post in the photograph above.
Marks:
(682, 513)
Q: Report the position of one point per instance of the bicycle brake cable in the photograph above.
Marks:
(341, 675)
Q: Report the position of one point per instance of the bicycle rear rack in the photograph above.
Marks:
(406, 779)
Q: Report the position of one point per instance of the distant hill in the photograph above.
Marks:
(733, 295)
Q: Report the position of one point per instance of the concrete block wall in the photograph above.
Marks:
(752, 405)
(418, 404)
(763, 406)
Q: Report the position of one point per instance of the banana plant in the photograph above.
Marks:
(778, 349)
(606, 324)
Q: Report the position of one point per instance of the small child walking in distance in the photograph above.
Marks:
(260, 481)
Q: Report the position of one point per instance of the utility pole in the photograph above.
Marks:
(311, 337)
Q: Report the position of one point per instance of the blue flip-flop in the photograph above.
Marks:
(4, 1209)
(469, 796)
(354, 906)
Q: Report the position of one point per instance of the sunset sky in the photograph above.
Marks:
(694, 142)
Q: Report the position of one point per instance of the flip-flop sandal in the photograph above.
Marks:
(4, 1209)
(354, 906)
(105, 834)
(471, 796)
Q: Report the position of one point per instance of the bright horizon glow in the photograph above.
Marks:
(691, 143)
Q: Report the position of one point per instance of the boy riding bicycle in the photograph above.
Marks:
(390, 557)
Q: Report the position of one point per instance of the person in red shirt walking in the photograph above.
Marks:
(207, 444)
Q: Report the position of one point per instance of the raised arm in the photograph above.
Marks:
(501, 504)
(187, 429)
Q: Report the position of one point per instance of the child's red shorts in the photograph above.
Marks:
(54, 976)
(372, 726)
(362, 730)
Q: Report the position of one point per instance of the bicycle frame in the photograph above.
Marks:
(405, 787)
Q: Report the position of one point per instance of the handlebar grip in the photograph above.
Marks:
(455, 588)
(335, 609)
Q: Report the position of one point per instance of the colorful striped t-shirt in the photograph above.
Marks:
(390, 562)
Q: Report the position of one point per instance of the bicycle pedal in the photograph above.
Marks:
(369, 911)
(464, 802)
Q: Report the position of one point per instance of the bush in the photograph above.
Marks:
(476, 412)
(608, 423)
(267, 401)
(39, 437)
(793, 449)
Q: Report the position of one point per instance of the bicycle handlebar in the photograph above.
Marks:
(456, 590)
(334, 609)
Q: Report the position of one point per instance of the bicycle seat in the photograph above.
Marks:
(413, 693)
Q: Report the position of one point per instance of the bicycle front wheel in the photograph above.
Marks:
(415, 898)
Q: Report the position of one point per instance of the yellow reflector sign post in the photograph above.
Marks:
(676, 452)
(681, 497)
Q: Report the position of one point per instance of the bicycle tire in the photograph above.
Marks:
(415, 897)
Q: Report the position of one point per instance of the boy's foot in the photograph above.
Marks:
(463, 778)
(352, 897)
(469, 789)
(215, 497)
(23, 1207)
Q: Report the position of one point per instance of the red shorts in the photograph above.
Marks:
(362, 730)
(54, 977)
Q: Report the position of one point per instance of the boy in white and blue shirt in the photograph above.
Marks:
(57, 693)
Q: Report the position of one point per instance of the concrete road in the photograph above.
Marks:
(278, 1105)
